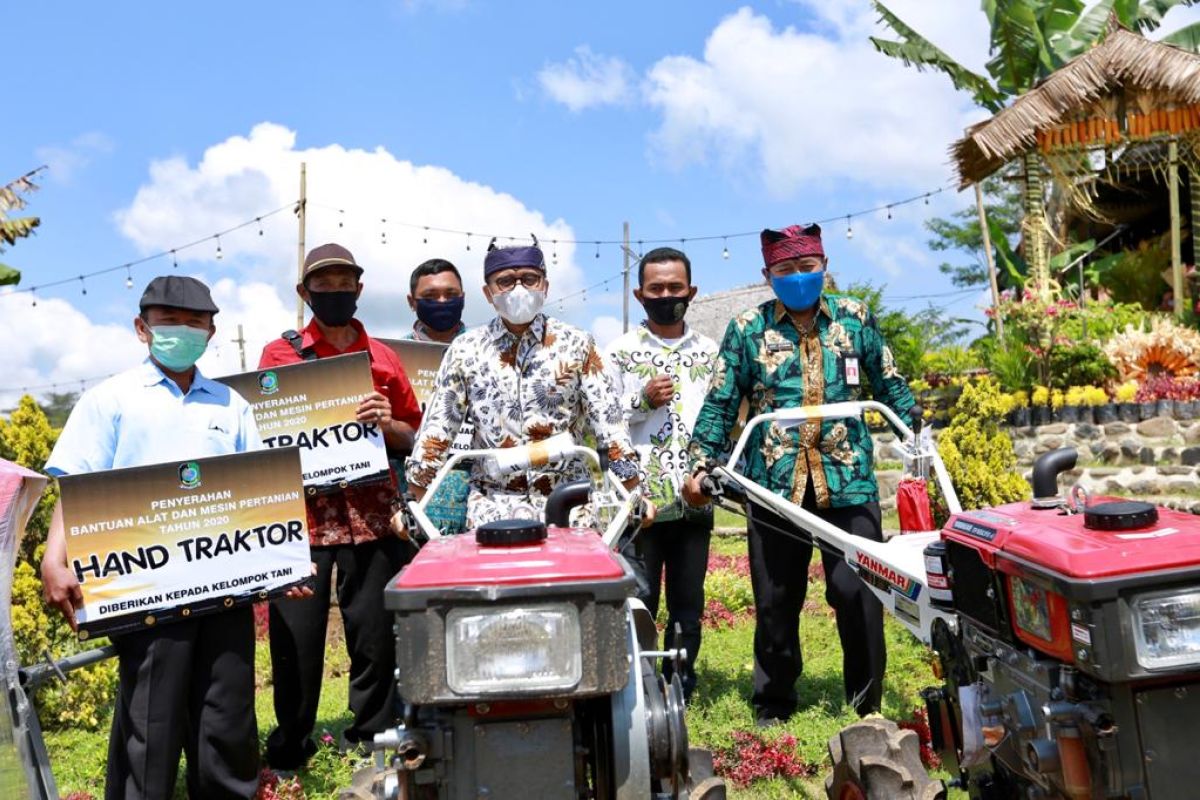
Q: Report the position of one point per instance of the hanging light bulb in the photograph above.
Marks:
(849, 230)
(554, 253)
(383, 232)
(82, 285)
(174, 261)
(259, 221)
(341, 216)
(597, 249)
(33, 294)
(725, 248)
(128, 278)
(468, 240)
(889, 210)
(220, 255)
(425, 238)
(927, 198)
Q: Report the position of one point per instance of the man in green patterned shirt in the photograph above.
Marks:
(804, 348)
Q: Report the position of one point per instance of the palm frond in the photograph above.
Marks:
(917, 51)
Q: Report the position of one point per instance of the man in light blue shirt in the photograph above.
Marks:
(187, 686)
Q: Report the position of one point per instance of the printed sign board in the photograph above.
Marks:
(312, 405)
(159, 543)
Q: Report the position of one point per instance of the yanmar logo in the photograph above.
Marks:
(893, 579)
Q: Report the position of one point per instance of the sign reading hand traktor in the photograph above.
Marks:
(312, 405)
(159, 543)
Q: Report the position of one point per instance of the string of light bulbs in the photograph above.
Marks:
(472, 237)
(128, 266)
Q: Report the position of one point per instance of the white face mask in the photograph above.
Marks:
(520, 305)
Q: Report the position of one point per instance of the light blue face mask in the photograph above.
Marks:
(178, 347)
(800, 290)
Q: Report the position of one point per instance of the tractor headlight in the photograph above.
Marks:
(515, 649)
(1166, 629)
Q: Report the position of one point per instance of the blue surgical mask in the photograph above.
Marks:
(800, 290)
(178, 347)
(440, 315)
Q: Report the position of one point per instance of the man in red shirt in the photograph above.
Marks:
(348, 527)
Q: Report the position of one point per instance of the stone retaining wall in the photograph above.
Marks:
(1157, 458)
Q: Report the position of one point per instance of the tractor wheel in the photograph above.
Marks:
(875, 760)
(703, 783)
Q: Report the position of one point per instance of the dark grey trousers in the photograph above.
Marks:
(779, 574)
(298, 647)
(186, 687)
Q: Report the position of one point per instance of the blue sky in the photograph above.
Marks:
(163, 123)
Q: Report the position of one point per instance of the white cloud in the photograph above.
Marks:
(799, 107)
(60, 345)
(606, 329)
(65, 161)
(350, 194)
(587, 80)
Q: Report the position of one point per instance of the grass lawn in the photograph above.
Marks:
(719, 708)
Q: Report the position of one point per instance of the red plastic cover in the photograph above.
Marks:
(568, 555)
(1060, 543)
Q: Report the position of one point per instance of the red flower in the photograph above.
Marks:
(753, 758)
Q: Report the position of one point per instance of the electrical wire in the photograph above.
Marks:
(129, 265)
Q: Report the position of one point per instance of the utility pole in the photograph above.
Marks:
(991, 261)
(240, 341)
(300, 214)
(1177, 288)
(625, 271)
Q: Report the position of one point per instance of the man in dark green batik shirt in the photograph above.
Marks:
(804, 348)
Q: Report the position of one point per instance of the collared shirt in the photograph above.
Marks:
(423, 333)
(140, 417)
(765, 360)
(661, 434)
(515, 391)
(361, 512)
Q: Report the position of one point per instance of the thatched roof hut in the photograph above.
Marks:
(1121, 80)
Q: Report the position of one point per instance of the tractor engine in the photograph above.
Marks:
(1074, 670)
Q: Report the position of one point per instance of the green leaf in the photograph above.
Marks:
(1020, 54)
(1187, 38)
(8, 275)
(1151, 12)
(916, 51)
(13, 229)
(1007, 258)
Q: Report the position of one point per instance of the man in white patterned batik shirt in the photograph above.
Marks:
(521, 378)
(660, 372)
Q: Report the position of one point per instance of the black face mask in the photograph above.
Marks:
(334, 309)
(665, 310)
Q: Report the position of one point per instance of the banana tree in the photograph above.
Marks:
(1030, 39)
(12, 229)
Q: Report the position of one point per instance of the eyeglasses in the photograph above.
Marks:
(530, 280)
(785, 268)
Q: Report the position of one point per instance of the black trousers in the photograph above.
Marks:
(188, 686)
(298, 647)
(681, 547)
(779, 574)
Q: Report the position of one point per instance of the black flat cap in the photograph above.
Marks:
(329, 255)
(178, 291)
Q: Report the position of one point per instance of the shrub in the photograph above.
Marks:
(81, 702)
(1076, 396)
(1127, 392)
(730, 590)
(1020, 399)
(26, 438)
(978, 454)
(1041, 396)
(1079, 365)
